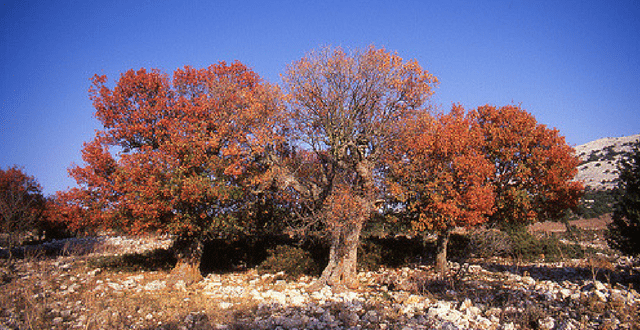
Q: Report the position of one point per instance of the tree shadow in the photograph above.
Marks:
(152, 260)
(625, 276)
(54, 248)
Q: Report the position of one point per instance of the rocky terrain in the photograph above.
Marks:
(70, 291)
(599, 168)
(122, 283)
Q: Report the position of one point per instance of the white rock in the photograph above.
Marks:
(508, 326)
(601, 296)
(547, 323)
(225, 305)
(465, 305)
(180, 285)
(155, 285)
(475, 268)
(528, 280)
(565, 293)
(115, 286)
(297, 300)
(483, 323)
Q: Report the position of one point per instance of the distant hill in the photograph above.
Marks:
(599, 160)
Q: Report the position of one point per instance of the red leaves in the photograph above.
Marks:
(173, 154)
(445, 175)
(534, 165)
(498, 163)
(21, 202)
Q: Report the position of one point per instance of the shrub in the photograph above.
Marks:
(487, 243)
(291, 260)
(624, 231)
(528, 247)
(595, 202)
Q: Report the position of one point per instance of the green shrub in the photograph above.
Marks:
(595, 202)
(528, 247)
(291, 260)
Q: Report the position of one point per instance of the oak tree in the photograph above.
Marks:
(342, 106)
(176, 155)
(534, 166)
(441, 176)
(22, 204)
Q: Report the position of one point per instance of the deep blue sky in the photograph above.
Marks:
(575, 65)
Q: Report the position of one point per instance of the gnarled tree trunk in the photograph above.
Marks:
(441, 251)
(341, 271)
(188, 253)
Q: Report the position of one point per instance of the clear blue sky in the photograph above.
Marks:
(575, 65)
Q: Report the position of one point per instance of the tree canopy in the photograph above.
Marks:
(441, 175)
(175, 156)
(534, 166)
(343, 106)
(206, 152)
(22, 205)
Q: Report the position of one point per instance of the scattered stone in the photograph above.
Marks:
(155, 285)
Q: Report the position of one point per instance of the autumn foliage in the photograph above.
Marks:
(441, 176)
(217, 152)
(534, 165)
(22, 205)
(176, 155)
(343, 106)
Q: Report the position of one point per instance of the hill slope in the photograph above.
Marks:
(599, 160)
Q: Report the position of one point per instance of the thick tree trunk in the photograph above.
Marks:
(188, 253)
(441, 251)
(341, 271)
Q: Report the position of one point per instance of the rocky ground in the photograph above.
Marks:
(70, 291)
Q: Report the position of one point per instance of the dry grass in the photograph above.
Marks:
(76, 290)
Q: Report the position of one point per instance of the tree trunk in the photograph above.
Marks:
(341, 271)
(188, 253)
(441, 251)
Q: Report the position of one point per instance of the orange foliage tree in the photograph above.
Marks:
(534, 166)
(441, 176)
(175, 155)
(342, 106)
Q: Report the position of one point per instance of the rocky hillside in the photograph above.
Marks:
(599, 168)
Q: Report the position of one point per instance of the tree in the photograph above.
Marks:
(342, 106)
(441, 176)
(624, 231)
(175, 157)
(534, 166)
(22, 205)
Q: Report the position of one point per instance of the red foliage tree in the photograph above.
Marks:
(342, 107)
(534, 166)
(441, 175)
(175, 156)
(22, 205)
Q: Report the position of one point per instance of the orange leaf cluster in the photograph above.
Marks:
(175, 155)
(440, 172)
(534, 165)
